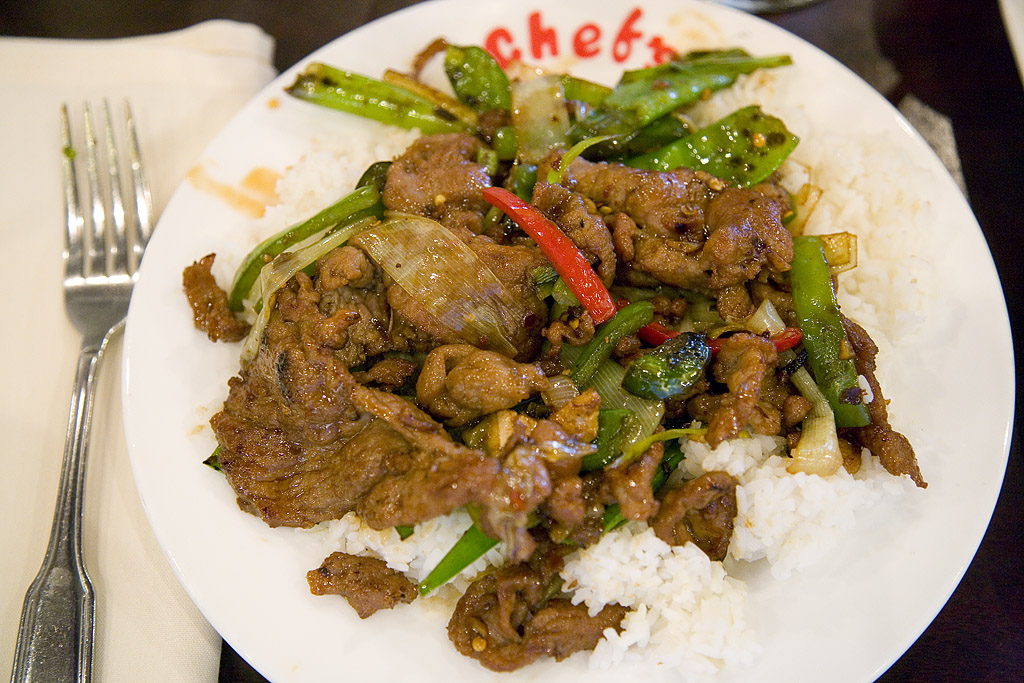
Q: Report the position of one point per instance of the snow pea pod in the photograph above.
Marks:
(476, 78)
(373, 99)
(824, 337)
(743, 148)
(645, 95)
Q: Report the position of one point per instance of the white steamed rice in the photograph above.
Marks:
(687, 612)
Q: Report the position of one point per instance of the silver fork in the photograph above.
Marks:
(101, 258)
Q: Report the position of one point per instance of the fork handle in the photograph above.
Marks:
(55, 634)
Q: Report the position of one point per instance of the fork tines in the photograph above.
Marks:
(108, 240)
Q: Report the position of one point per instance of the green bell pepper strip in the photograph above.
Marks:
(743, 148)
(824, 337)
(470, 547)
(613, 424)
(625, 323)
(476, 78)
(645, 95)
(669, 369)
(373, 99)
(360, 203)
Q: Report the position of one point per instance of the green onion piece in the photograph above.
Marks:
(824, 337)
(473, 544)
(743, 148)
(361, 202)
(213, 462)
(626, 322)
(405, 531)
(556, 176)
(283, 268)
(521, 180)
(353, 93)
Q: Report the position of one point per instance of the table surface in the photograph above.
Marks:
(954, 57)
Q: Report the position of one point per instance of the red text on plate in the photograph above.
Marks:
(588, 40)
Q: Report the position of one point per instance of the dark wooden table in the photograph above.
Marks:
(953, 56)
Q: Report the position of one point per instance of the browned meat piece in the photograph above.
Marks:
(689, 229)
(302, 441)
(667, 204)
(438, 177)
(346, 266)
(579, 219)
(390, 373)
(893, 449)
(366, 582)
(743, 364)
(209, 302)
(745, 234)
(539, 473)
(632, 485)
(442, 475)
(575, 331)
(507, 621)
(701, 511)
(459, 383)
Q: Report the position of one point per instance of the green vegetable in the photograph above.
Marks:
(625, 323)
(476, 78)
(540, 117)
(614, 426)
(504, 143)
(824, 337)
(670, 369)
(370, 98)
(655, 135)
(582, 90)
(468, 549)
(361, 203)
(645, 95)
(744, 148)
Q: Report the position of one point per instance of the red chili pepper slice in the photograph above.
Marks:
(787, 339)
(566, 258)
(656, 334)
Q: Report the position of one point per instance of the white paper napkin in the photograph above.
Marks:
(183, 86)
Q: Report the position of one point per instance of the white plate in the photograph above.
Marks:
(846, 619)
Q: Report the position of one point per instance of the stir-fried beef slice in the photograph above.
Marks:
(631, 485)
(576, 331)
(511, 618)
(366, 582)
(438, 177)
(701, 511)
(209, 302)
(302, 441)
(667, 204)
(689, 229)
(540, 474)
(893, 449)
(577, 420)
(460, 383)
(744, 364)
(389, 373)
(745, 234)
(578, 218)
(442, 475)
